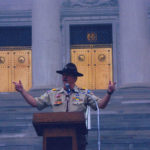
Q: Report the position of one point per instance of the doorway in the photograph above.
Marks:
(15, 57)
(91, 51)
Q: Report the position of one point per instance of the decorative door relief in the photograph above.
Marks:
(82, 59)
(15, 66)
(95, 64)
(5, 71)
(102, 67)
(21, 68)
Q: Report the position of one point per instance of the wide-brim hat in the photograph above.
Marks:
(70, 69)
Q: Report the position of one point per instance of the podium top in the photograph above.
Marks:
(59, 120)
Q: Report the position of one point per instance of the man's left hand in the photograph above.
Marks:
(111, 87)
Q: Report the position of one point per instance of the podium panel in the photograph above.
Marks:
(68, 135)
(60, 130)
(59, 143)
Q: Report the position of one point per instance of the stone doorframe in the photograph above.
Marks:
(66, 22)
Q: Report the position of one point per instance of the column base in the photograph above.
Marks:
(135, 85)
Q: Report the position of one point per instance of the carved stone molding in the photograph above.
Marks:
(90, 3)
(15, 48)
(16, 18)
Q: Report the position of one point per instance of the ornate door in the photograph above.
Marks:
(102, 67)
(15, 65)
(95, 64)
(82, 58)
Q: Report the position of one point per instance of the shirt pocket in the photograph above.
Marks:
(57, 100)
(78, 100)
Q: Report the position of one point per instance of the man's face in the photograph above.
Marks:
(69, 79)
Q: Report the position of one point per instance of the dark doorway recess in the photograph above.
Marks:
(91, 34)
(16, 36)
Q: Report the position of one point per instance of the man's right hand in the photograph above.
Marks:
(18, 86)
(29, 99)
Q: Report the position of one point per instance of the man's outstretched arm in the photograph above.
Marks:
(29, 99)
(111, 88)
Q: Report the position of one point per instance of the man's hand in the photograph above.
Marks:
(29, 99)
(18, 86)
(111, 87)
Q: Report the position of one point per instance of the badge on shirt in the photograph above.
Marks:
(58, 100)
(77, 99)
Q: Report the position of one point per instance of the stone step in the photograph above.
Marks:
(119, 93)
(107, 142)
(123, 104)
(5, 116)
(127, 109)
(114, 99)
(120, 140)
(21, 147)
(112, 136)
(17, 131)
(22, 109)
(21, 143)
(118, 146)
(135, 117)
(121, 136)
(16, 95)
(131, 93)
(108, 122)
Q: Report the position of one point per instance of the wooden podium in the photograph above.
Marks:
(60, 129)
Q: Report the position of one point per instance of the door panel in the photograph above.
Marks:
(16, 66)
(102, 76)
(5, 71)
(95, 64)
(21, 68)
(82, 59)
(102, 63)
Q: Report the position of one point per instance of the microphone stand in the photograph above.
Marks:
(68, 95)
(68, 89)
(98, 126)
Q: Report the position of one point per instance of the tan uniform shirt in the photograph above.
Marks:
(58, 100)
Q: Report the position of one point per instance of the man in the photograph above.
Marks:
(70, 98)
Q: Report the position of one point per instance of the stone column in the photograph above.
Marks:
(134, 52)
(46, 42)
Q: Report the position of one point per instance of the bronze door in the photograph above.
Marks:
(82, 58)
(15, 66)
(95, 64)
(102, 67)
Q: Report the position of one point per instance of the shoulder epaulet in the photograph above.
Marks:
(54, 89)
(87, 91)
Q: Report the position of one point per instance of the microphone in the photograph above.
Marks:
(68, 88)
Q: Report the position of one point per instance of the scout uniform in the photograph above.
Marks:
(60, 101)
